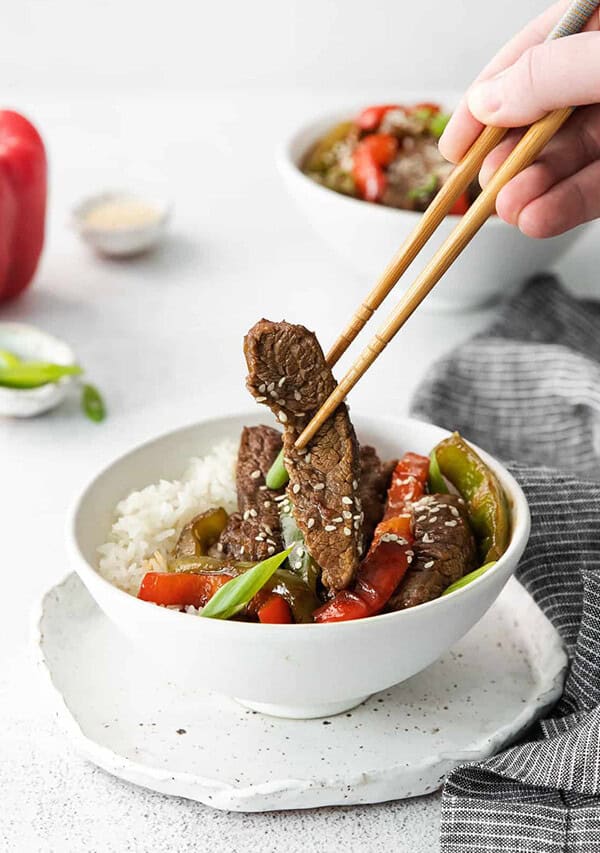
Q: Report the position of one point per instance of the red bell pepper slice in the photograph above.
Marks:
(408, 483)
(22, 202)
(275, 611)
(371, 117)
(370, 156)
(388, 559)
(181, 588)
(461, 205)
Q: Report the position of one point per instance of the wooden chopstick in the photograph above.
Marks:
(529, 147)
(458, 182)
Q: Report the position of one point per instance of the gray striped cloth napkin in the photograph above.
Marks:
(528, 389)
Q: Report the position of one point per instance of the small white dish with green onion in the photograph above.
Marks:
(37, 372)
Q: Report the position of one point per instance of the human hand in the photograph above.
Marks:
(525, 80)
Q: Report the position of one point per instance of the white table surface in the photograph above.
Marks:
(161, 337)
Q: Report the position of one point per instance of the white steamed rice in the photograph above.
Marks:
(151, 520)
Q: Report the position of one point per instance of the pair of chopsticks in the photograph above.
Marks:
(527, 150)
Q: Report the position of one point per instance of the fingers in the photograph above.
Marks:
(569, 203)
(575, 146)
(463, 128)
(560, 73)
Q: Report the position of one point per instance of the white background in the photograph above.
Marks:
(197, 45)
(191, 99)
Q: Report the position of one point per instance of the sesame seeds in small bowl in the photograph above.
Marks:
(121, 224)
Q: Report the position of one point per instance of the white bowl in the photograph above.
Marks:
(367, 235)
(285, 670)
(127, 241)
(31, 344)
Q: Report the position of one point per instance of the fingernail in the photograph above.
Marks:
(485, 98)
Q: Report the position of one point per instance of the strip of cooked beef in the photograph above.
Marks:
(254, 532)
(444, 550)
(287, 371)
(374, 481)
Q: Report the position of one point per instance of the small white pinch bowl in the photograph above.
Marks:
(32, 344)
(366, 235)
(300, 671)
(126, 241)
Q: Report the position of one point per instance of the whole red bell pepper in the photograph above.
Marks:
(390, 553)
(22, 202)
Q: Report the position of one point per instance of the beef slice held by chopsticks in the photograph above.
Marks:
(254, 533)
(287, 372)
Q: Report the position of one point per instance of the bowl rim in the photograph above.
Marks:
(288, 164)
(518, 541)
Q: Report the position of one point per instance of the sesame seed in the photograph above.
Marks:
(354, 484)
(338, 519)
(301, 552)
(301, 452)
(287, 460)
(282, 417)
(422, 518)
(308, 457)
(319, 486)
(409, 559)
(347, 514)
(428, 538)
(358, 503)
(273, 393)
(296, 488)
(219, 546)
(242, 550)
(255, 474)
(268, 529)
(259, 538)
(262, 488)
(347, 531)
(260, 399)
(253, 513)
(358, 516)
(246, 515)
(270, 386)
(346, 500)
(270, 550)
(262, 388)
(356, 525)
(281, 381)
(281, 402)
(410, 553)
(330, 528)
(428, 564)
(270, 542)
(297, 396)
(310, 523)
(298, 564)
(280, 498)
(450, 523)
(454, 511)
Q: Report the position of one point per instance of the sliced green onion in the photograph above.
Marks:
(92, 403)
(437, 484)
(9, 359)
(425, 190)
(236, 593)
(437, 124)
(464, 581)
(301, 562)
(277, 476)
(33, 374)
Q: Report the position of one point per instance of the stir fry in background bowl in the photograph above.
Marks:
(389, 155)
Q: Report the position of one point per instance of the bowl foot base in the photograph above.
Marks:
(303, 712)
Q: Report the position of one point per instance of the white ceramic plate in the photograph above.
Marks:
(400, 743)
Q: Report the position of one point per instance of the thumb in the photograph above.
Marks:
(560, 73)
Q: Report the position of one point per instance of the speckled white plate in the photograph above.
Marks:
(400, 743)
